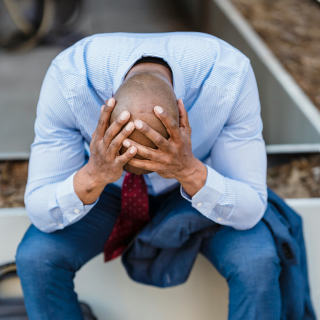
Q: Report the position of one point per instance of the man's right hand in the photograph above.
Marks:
(105, 163)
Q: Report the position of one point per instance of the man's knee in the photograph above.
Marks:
(257, 270)
(255, 266)
(38, 255)
(247, 257)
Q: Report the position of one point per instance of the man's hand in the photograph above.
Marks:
(174, 158)
(105, 164)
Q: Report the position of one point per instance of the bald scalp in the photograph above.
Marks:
(139, 94)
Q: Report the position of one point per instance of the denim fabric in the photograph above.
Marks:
(47, 262)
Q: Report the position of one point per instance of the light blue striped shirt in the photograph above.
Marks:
(218, 87)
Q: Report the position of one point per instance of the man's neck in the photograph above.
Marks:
(151, 67)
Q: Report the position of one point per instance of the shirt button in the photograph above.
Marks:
(76, 210)
(60, 225)
(219, 219)
(199, 204)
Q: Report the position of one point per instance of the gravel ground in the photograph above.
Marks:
(291, 28)
(299, 178)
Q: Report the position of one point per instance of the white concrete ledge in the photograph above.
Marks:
(13, 212)
(14, 155)
(293, 148)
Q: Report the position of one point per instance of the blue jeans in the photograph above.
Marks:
(47, 263)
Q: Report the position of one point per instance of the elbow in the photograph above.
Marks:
(254, 216)
(36, 219)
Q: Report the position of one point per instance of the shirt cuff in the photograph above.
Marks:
(211, 191)
(70, 205)
(206, 200)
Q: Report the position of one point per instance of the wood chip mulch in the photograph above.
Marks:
(13, 180)
(299, 178)
(291, 28)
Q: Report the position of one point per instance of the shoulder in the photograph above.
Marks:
(208, 60)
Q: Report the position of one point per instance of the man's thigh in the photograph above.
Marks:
(73, 246)
(246, 255)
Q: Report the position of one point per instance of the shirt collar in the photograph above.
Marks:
(177, 75)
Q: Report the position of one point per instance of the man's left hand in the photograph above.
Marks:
(174, 158)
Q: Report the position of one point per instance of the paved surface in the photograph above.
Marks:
(21, 74)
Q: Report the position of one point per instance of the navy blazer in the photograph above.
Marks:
(163, 253)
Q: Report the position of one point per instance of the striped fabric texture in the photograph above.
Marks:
(219, 90)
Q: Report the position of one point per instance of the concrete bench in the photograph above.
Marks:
(113, 296)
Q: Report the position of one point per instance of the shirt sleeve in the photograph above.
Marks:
(56, 154)
(235, 192)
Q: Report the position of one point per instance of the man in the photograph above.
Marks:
(220, 168)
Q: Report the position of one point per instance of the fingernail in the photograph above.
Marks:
(158, 109)
(138, 124)
(125, 115)
(132, 150)
(129, 126)
(126, 143)
(110, 102)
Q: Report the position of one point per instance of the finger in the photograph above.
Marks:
(183, 115)
(148, 153)
(169, 122)
(104, 118)
(115, 127)
(126, 157)
(117, 142)
(146, 165)
(154, 136)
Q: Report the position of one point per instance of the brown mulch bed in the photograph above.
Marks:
(299, 178)
(13, 180)
(291, 28)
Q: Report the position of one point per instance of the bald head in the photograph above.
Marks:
(139, 94)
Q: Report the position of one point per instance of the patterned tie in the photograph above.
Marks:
(133, 217)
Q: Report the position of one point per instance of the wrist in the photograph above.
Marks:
(93, 177)
(194, 177)
(87, 188)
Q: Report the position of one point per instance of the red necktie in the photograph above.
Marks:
(133, 217)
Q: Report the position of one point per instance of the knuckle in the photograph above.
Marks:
(102, 122)
(119, 161)
(129, 155)
(125, 132)
(108, 134)
(174, 124)
(143, 166)
(107, 108)
(148, 154)
(159, 140)
(161, 169)
(118, 122)
(113, 144)
(164, 115)
(146, 129)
